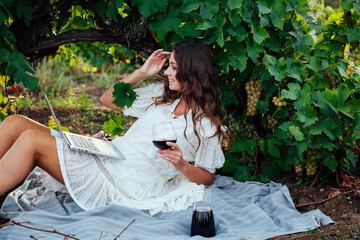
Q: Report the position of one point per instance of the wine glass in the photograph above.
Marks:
(162, 133)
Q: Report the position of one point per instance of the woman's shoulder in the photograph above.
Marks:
(206, 127)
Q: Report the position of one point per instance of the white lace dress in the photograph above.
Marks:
(139, 181)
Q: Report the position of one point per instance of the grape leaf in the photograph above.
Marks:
(234, 18)
(347, 4)
(259, 34)
(253, 50)
(264, 7)
(336, 99)
(314, 63)
(243, 173)
(4, 55)
(275, 67)
(357, 7)
(279, 7)
(273, 147)
(264, 21)
(25, 9)
(262, 106)
(322, 141)
(307, 115)
(207, 10)
(356, 131)
(237, 56)
(28, 80)
(3, 16)
(293, 93)
(318, 82)
(301, 146)
(114, 125)
(318, 100)
(272, 169)
(238, 32)
(327, 124)
(296, 132)
(190, 5)
(244, 145)
(20, 70)
(232, 160)
(124, 95)
(7, 34)
(304, 98)
(147, 8)
(330, 162)
(165, 23)
(228, 97)
(161, 5)
(276, 20)
(234, 4)
(315, 130)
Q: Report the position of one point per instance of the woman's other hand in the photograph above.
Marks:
(154, 63)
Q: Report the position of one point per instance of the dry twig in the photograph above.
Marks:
(125, 229)
(321, 201)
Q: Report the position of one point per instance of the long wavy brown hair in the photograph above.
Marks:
(199, 85)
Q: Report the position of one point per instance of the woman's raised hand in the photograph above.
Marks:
(155, 62)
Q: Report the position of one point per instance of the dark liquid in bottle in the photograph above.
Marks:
(162, 144)
(203, 222)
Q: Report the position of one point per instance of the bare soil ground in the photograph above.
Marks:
(338, 198)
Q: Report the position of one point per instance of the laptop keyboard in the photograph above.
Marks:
(83, 142)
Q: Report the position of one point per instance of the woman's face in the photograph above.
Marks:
(171, 74)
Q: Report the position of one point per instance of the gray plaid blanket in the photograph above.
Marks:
(249, 210)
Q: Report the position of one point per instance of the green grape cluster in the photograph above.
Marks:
(253, 91)
(279, 102)
(249, 161)
(272, 122)
(242, 128)
(299, 169)
(54, 10)
(309, 163)
(232, 124)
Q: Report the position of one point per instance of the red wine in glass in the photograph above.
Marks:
(161, 144)
(162, 133)
(203, 222)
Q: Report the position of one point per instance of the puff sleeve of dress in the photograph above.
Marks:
(209, 155)
(145, 97)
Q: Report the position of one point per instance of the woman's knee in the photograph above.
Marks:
(17, 124)
(28, 138)
(13, 120)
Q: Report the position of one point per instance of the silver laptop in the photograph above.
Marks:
(84, 143)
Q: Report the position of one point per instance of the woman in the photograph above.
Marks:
(189, 100)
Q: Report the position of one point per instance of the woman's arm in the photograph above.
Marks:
(152, 66)
(107, 98)
(194, 174)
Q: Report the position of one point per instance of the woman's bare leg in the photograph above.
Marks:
(12, 127)
(32, 147)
